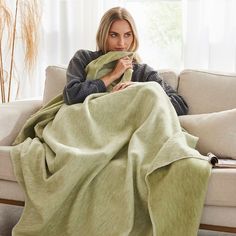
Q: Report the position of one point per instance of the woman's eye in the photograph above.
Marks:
(128, 35)
(113, 35)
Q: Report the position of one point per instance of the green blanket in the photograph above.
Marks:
(119, 164)
(94, 69)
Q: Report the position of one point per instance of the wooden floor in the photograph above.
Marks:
(211, 233)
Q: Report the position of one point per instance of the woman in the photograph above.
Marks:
(117, 32)
(116, 164)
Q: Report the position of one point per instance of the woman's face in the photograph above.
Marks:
(120, 36)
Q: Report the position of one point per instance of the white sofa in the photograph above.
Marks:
(204, 92)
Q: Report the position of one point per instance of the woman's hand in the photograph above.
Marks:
(121, 86)
(121, 66)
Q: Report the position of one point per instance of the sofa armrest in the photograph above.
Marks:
(13, 117)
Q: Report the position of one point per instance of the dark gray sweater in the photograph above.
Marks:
(78, 88)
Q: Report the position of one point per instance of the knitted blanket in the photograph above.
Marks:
(117, 164)
(94, 69)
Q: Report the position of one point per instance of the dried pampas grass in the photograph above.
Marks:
(30, 21)
(5, 21)
(26, 19)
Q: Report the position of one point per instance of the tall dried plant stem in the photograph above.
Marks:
(5, 20)
(1, 75)
(12, 52)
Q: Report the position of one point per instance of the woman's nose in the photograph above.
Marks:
(121, 41)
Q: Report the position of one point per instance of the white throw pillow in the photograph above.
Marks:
(216, 132)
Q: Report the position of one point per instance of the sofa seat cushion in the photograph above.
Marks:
(207, 92)
(219, 216)
(222, 188)
(6, 168)
(216, 132)
(11, 190)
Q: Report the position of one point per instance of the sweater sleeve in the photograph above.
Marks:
(77, 87)
(177, 101)
(146, 73)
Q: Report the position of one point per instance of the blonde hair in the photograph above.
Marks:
(116, 13)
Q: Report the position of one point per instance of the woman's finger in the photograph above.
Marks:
(121, 86)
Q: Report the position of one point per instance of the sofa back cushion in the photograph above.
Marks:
(56, 80)
(170, 77)
(206, 91)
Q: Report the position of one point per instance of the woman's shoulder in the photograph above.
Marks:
(145, 68)
(82, 58)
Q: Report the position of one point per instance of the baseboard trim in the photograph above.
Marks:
(12, 202)
(218, 228)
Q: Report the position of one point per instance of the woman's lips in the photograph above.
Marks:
(120, 49)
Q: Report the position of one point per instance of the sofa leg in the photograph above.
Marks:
(12, 202)
(218, 228)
